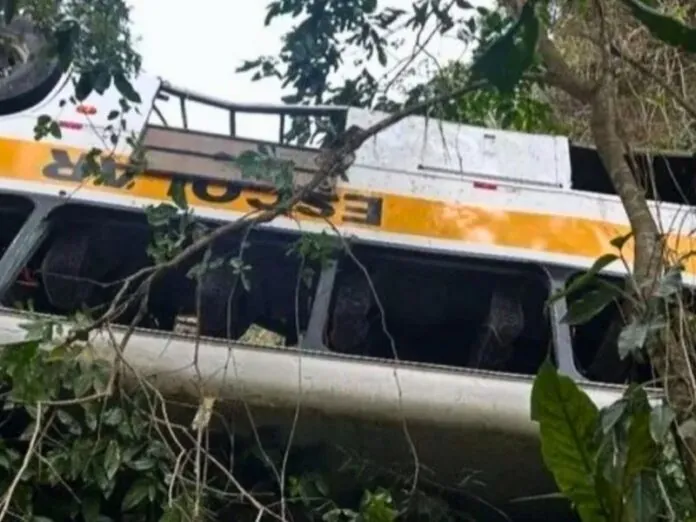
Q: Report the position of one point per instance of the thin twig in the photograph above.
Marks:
(7, 498)
(678, 98)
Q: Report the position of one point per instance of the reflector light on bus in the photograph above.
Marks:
(486, 186)
(87, 109)
(70, 125)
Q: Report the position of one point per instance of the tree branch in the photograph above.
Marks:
(558, 72)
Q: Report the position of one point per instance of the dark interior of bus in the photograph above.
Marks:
(437, 310)
(419, 307)
(666, 177)
(427, 308)
(588, 337)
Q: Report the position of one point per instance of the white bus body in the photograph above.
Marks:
(422, 186)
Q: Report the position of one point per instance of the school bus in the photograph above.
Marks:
(435, 314)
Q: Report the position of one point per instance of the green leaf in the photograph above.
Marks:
(600, 264)
(112, 459)
(136, 494)
(84, 85)
(102, 79)
(69, 422)
(567, 422)
(113, 115)
(125, 88)
(177, 191)
(641, 448)
(506, 60)
(632, 338)
(619, 241)
(663, 27)
(589, 305)
(54, 129)
(142, 464)
(82, 384)
(612, 414)
(644, 499)
(113, 417)
(171, 514)
(661, 418)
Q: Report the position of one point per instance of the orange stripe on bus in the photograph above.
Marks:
(426, 218)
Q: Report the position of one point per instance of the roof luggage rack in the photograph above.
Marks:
(180, 151)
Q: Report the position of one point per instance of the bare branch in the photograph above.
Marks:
(330, 161)
(7, 497)
(678, 98)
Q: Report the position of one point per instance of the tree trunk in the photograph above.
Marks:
(670, 358)
(607, 365)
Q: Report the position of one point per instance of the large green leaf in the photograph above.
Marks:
(663, 27)
(584, 279)
(661, 418)
(585, 308)
(506, 60)
(568, 420)
(642, 449)
(632, 337)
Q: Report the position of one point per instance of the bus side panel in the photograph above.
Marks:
(86, 124)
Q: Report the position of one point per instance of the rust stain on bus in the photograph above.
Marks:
(419, 217)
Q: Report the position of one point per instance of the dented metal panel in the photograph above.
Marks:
(207, 156)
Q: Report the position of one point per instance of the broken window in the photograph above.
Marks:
(459, 312)
(588, 338)
(89, 252)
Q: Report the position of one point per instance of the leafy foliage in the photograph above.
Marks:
(605, 461)
(313, 53)
(524, 109)
(665, 28)
(93, 36)
(83, 438)
(78, 445)
(508, 57)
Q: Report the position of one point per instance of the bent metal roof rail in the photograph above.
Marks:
(281, 110)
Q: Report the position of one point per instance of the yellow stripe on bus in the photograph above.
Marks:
(420, 217)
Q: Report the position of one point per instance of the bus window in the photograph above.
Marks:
(271, 302)
(14, 211)
(587, 338)
(90, 251)
(457, 312)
